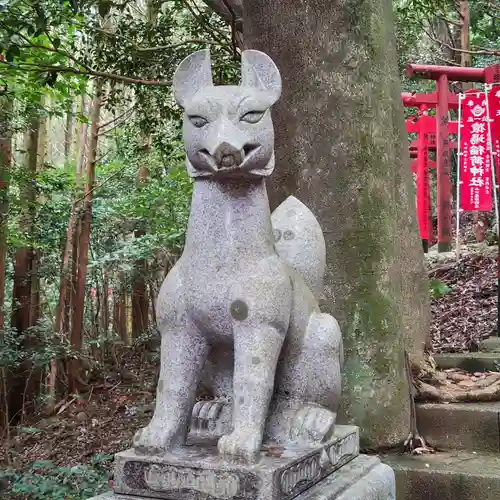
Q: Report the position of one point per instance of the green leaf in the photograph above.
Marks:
(438, 288)
(12, 52)
(42, 464)
(29, 430)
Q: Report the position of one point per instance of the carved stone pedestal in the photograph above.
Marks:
(333, 470)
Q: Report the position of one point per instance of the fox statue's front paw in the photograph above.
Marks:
(155, 439)
(243, 445)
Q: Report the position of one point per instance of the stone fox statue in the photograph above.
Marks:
(239, 310)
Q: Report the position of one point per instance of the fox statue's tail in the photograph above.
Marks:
(299, 241)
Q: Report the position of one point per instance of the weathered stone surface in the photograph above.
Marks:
(469, 361)
(342, 150)
(237, 310)
(461, 426)
(196, 472)
(491, 344)
(447, 476)
(363, 478)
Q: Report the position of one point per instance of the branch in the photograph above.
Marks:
(97, 186)
(176, 45)
(451, 21)
(483, 52)
(121, 115)
(494, 16)
(56, 51)
(233, 27)
(201, 19)
(117, 121)
(25, 66)
(30, 45)
(446, 61)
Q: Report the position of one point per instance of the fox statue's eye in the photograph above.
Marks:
(198, 121)
(252, 116)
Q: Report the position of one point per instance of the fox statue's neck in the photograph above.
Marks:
(229, 217)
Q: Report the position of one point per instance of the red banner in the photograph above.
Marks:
(426, 125)
(494, 109)
(475, 168)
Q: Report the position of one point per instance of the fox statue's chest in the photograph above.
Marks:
(216, 299)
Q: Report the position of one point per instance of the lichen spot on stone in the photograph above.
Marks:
(288, 235)
(277, 234)
(255, 360)
(239, 310)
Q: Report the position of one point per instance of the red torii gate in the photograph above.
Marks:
(425, 126)
(443, 100)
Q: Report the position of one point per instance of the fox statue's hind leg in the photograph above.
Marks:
(308, 384)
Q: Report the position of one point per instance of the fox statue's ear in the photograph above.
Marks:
(192, 74)
(259, 71)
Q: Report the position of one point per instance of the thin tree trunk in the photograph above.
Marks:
(84, 242)
(35, 287)
(42, 137)
(23, 385)
(119, 311)
(68, 261)
(465, 57)
(140, 300)
(68, 136)
(5, 165)
(82, 143)
(105, 306)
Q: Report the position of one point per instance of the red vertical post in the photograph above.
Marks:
(431, 220)
(443, 167)
(423, 178)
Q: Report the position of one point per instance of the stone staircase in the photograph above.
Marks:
(467, 464)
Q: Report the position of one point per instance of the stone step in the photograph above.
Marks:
(469, 361)
(460, 426)
(457, 475)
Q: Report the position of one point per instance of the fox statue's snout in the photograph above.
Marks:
(226, 156)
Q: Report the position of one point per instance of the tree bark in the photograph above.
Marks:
(5, 166)
(84, 242)
(140, 299)
(68, 136)
(82, 143)
(341, 148)
(23, 383)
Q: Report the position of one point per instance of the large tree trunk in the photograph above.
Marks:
(23, 383)
(341, 148)
(84, 242)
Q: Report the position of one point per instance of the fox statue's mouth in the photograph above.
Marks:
(229, 161)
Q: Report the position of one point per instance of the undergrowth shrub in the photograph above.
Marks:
(42, 480)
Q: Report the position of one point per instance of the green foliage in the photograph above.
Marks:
(42, 480)
(37, 345)
(437, 288)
